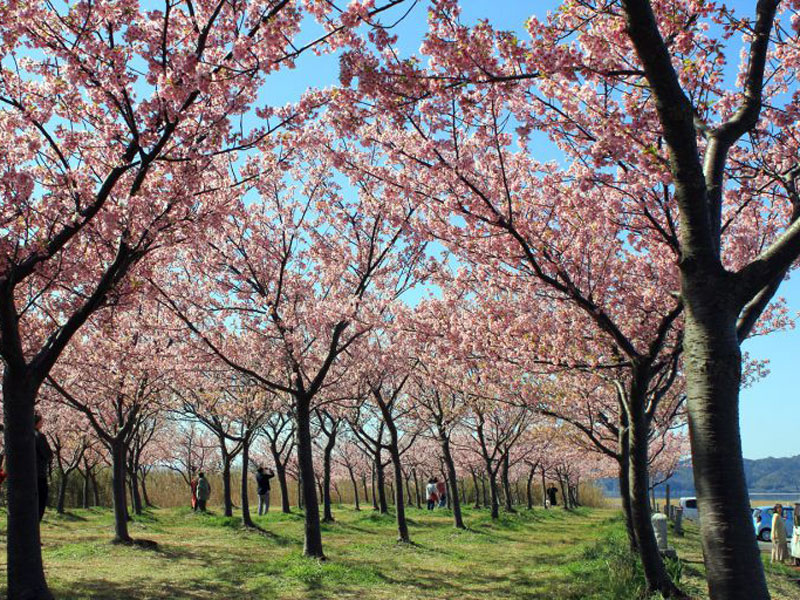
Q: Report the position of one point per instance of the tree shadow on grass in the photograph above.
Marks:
(66, 516)
(108, 590)
(279, 540)
(141, 543)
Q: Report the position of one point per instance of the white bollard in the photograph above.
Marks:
(659, 521)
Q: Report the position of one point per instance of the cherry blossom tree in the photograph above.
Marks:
(137, 465)
(353, 461)
(304, 273)
(664, 163)
(370, 436)
(206, 400)
(494, 430)
(117, 121)
(328, 424)
(185, 447)
(279, 429)
(114, 375)
(441, 407)
(93, 456)
(386, 379)
(66, 433)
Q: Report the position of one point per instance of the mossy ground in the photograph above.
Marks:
(553, 554)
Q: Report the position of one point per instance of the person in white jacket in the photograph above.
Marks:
(431, 493)
(796, 534)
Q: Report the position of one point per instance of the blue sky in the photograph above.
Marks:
(762, 433)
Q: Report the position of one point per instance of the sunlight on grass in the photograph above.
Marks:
(559, 555)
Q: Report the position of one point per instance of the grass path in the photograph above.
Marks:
(533, 554)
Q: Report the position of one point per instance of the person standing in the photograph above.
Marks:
(262, 481)
(203, 491)
(44, 456)
(430, 493)
(796, 535)
(778, 535)
(551, 494)
(441, 491)
(193, 487)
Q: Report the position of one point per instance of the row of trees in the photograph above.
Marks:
(172, 244)
(176, 449)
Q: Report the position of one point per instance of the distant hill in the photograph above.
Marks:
(778, 475)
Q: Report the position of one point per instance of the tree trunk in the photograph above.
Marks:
(355, 486)
(624, 485)
(227, 499)
(118, 472)
(247, 521)
(444, 440)
(495, 504)
(129, 488)
(364, 485)
(713, 376)
(95, 488)
(544, 488)
(135, 496)
(305, 461)
(62, 493)
(25, 572)
(391, 490)
(374, 493)
(144, 490)
(300, 503)
(281, 472)
(85, 497)
(652, 563)
(564, 496)
(506, 484)
(338, 493)
(416, 488)
(529, 489)
(477, 489)
(484, 493)
(327, 516)
(402, 526)
(380, 484)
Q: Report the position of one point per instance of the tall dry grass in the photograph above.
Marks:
(167, 489)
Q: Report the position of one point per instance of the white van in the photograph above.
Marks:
(689, 506)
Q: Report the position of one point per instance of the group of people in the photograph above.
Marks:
(436, 492)
(201, 490)
(778, 534)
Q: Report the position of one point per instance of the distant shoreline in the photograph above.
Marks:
(675, 495)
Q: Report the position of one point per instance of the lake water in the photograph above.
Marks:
(756, 498)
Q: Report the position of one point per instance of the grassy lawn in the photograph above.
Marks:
(538, 554)
(782, 579)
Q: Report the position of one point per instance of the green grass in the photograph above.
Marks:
(530, 554)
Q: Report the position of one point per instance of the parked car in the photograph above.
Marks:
(762, 521)
(689, 506)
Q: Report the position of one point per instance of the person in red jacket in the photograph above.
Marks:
(193, 486)
(441, 491)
